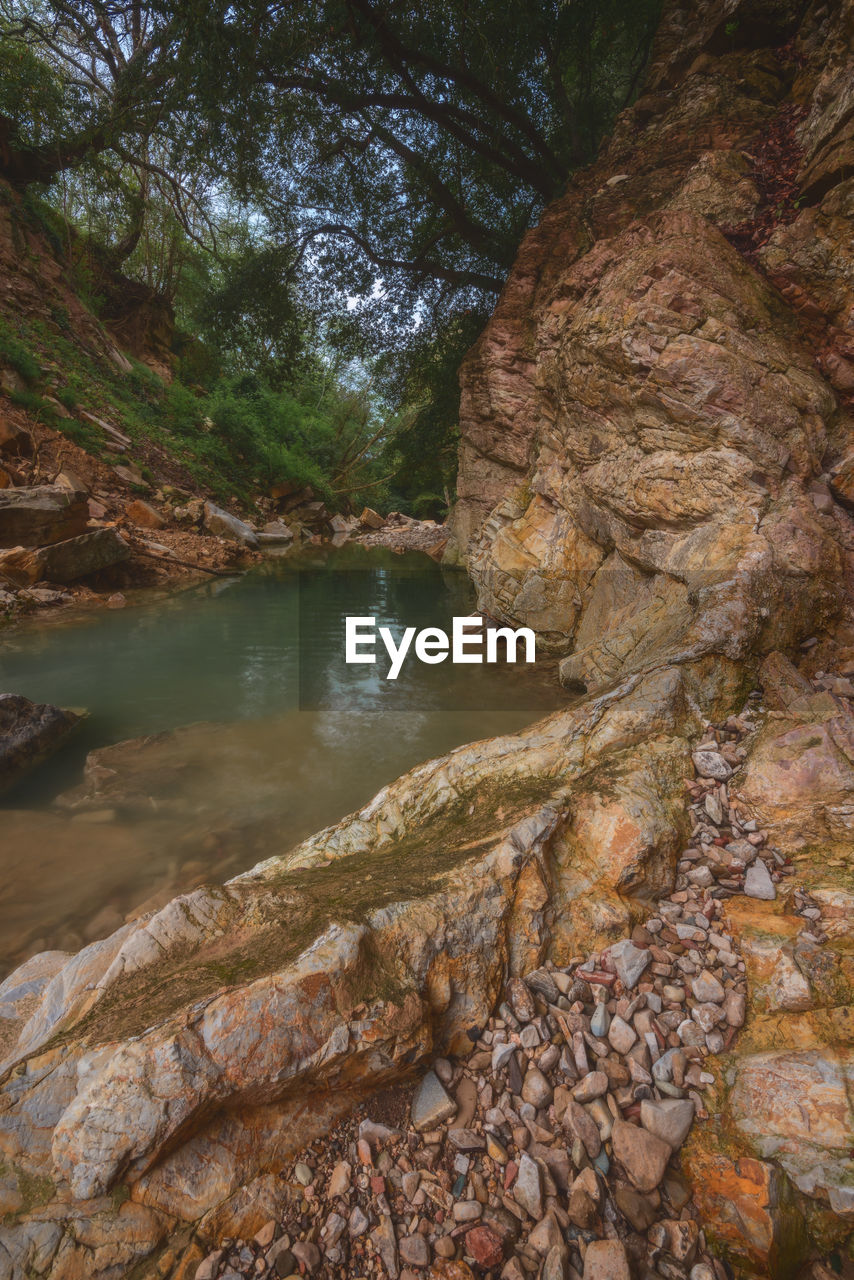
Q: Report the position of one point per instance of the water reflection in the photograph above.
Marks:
(267, 734)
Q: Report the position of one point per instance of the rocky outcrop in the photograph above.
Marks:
(29, 732)
(652, 418)
(65, 561)
(31, 517)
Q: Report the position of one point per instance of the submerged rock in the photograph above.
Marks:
(29, 733)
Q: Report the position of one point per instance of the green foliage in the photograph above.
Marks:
(18, 356)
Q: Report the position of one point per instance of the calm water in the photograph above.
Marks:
(263, 734)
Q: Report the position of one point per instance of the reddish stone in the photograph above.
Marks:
(510, 1172)
(485, 1247)
(377, 1185)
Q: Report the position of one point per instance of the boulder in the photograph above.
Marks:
(143, 514)
(32, 517)
(66, 561)
(224, 525)
(29, 732)
(370, 519)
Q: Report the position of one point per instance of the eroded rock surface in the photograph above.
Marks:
(651, 418)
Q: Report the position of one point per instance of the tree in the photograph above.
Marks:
(409, 143)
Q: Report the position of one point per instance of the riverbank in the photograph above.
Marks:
(553, 1146)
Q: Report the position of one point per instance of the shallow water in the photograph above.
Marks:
(266, 734)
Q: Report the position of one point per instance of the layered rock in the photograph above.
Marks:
(650, 418)
(43, 514)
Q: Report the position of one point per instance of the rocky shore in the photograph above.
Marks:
(552, 1148)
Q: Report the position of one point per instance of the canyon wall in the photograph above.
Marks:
(656, 423)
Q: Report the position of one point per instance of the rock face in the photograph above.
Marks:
(648, 425)
(44, 514)
(28, 733)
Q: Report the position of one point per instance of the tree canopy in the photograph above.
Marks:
(373, 163)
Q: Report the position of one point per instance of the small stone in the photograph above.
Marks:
(536, 1089)
(485, 1247)
(495, 1150)
(467, 1210)
(303, 1174)
(641, 1210)
(357, 1223)
(209, 1266)
(621, 1036)
(601, 1020)
(385, 1243)
(630, 961)
(264, 1237)
(643, 1156)
(592, 1086)
(414, 1251)
(584, 1199)
(431, 1105)
(466, 1139)
(339, 1181)
(701, 877)
(711, 764)
(521, 1000)
(606, 1260)
(707, 989)
(584, 1127)
(545, 1235)
(734, 1008)
(758, 882)
(466, 1100)
(527, 1189)
(670, 1120)
(308, 1254)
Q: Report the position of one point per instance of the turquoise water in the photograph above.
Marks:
(266, 733)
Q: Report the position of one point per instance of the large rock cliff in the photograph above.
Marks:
(656, 421)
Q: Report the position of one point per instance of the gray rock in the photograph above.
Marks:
(630, 961)
(621, 1036)
(431, 1105)
(528, 1187)
(670, 1120)
(414, 1251)
(711, 764)
(536, 1089)
(592, 1086)
(601, 1021)
(758, 882)
(707, 988)
(643, 1156)
(224, 525)
(32, 517)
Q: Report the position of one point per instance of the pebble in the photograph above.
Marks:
(431, 1105)
(528, 1190)
(630, 961)
(643, 1156)
(670, 1120)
